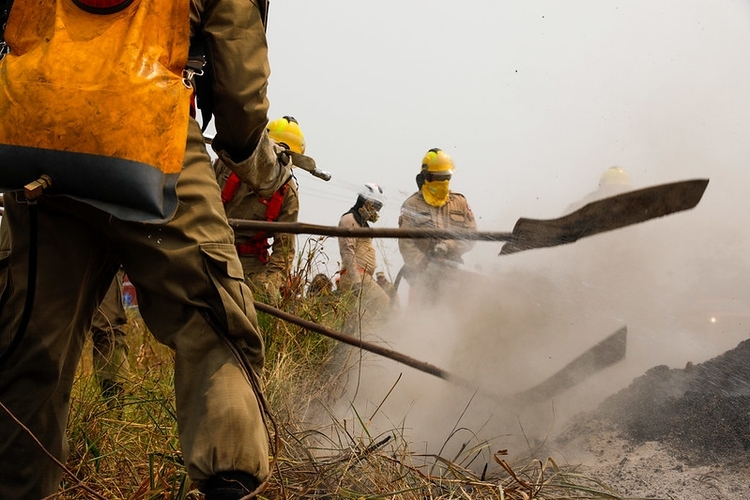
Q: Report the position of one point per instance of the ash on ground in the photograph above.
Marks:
(673, 433)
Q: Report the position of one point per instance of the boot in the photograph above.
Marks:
(231, 485)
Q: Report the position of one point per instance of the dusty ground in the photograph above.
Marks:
(673, 433)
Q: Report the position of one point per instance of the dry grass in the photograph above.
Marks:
(130, 450)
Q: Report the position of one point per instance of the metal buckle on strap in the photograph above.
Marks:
(194, 67)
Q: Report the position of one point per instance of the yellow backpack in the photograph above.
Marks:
(92, 95)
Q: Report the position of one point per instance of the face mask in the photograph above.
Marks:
(369, 212)
(436, 193)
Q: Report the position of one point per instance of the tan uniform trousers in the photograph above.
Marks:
(110, 350)
(110, 347)
(367, 304)
(191, 294)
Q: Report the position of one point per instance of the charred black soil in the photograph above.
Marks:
(673, 433)
(701, 412)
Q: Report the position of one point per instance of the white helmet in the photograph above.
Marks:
(373, 192)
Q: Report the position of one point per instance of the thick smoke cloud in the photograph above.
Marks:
(534, 100)
(513, 321)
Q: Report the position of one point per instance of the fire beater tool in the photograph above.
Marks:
(604, 354)
(596, 217)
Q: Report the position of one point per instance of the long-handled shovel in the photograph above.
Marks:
(606, 353)
(596, 217)
(606, 214)
(367, 346)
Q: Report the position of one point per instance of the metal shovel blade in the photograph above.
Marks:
(604, 354)
(607, 214)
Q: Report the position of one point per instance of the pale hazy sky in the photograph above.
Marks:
(533, 99)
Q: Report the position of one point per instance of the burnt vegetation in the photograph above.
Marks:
(700, 412)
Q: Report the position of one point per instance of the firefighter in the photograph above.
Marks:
(369, 303)
(320, 286)
(434, 206)
(267, 258)
(111, 79)
(613, 181)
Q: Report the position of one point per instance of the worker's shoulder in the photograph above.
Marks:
(458, 200)
(292, 188)
(413, 199)
(348, 220)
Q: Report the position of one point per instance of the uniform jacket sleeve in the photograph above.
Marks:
(222, 173)
(237, 52)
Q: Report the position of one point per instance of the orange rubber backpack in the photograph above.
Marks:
(92, 95)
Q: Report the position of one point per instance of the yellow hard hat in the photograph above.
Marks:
(614, 176)
(437, 165)
(285, 130)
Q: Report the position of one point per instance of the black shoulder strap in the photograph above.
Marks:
(5, 6)
(199, 64)
(263, 7)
